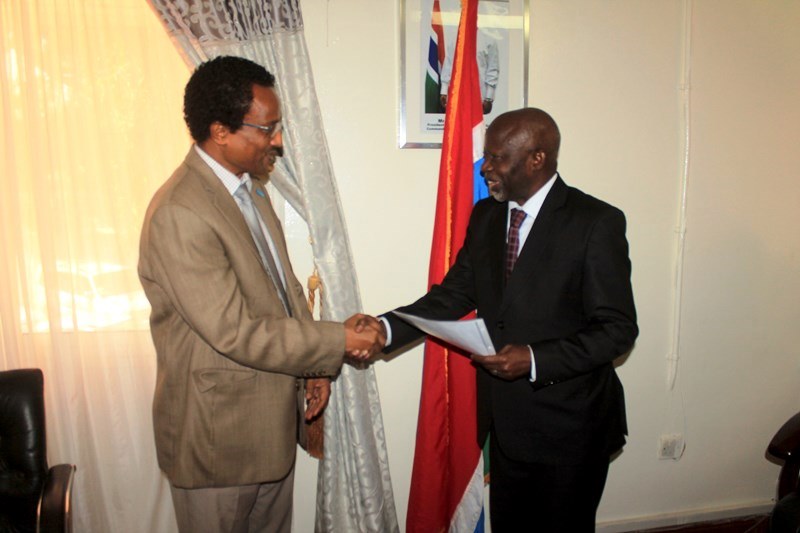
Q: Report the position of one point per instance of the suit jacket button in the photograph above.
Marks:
(501, 324)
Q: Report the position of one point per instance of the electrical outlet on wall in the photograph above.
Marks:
(671, 446)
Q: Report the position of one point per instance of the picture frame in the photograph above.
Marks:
(503, 49)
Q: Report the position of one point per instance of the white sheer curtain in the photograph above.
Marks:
(90, 99)
(354, 486)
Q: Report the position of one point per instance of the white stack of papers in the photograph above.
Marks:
(469, 335)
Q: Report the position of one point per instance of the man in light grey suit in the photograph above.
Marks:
(235, 342)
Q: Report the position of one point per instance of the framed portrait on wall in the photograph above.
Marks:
(428, 30)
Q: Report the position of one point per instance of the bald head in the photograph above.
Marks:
(521, 153)
(530, 128)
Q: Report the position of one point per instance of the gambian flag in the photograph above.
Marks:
(447, 480)
(436, 53)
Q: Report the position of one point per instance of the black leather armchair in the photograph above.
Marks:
(33, 497)
(785, 446)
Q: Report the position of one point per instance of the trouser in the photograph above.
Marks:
(546, 498)
(263, 507)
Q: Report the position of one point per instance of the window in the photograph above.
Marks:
(91, 107)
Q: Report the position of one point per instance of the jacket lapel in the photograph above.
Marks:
(221, 200)
(496, 249)
(264, 206)
(541, 234)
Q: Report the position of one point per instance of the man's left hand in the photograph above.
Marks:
(318, 392)
(510, 363)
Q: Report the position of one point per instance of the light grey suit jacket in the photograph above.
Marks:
(227, 399)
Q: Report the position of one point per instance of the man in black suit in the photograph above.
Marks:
(546, 267)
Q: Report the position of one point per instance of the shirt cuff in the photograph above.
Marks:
(389, 331)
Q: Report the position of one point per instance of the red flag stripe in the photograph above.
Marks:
(447, 451)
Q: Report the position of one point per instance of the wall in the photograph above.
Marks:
(619, 77)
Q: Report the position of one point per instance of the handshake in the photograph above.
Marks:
(365, 336)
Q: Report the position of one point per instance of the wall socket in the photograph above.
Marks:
(671, 446)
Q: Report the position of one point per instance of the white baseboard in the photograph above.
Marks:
(683, 517)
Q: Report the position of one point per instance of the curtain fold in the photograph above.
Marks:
(354, 486)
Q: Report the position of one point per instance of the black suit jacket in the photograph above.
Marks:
(569, 298)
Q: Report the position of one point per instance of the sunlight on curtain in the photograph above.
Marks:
(91, 112)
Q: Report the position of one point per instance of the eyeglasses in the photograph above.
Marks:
(271, 131)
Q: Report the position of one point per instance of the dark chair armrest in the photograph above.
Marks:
(786, 442)
(786, 445)
(55, 512)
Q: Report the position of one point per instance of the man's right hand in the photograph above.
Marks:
(365, 336)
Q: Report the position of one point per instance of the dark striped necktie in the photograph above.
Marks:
(512, 250)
